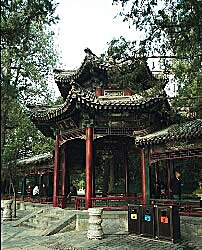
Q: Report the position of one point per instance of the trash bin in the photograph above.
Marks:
(168, 223)
(148, 221)
(134, 219)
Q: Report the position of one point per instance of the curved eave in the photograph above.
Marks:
(84, 70)
(44, 128)
(37, 159)
(52, 114)
(64, 78)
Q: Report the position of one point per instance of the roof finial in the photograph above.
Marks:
(88, 51)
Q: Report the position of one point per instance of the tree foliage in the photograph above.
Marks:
(27, 47)
(27, 58)
(129, 68)
(23, 140)
(172, 30)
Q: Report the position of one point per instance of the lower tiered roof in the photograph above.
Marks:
(182, 131)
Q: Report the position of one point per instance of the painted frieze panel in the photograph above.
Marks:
(110, 92)
(67, 124)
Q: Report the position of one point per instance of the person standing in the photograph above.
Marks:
(176, 186)
(43, 192)
(36, 191)
(73, 192)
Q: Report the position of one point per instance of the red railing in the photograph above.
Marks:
(61, 201)
(187, 207)
(108, 203)
(30, 198)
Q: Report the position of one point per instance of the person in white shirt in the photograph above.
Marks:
(36, 191)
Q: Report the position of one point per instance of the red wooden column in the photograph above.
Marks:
(126, 173)
(64, 171)
(56, 172)
(156, 173)
(89, 167)
(156, 179)
(169, 177)
(143, 172)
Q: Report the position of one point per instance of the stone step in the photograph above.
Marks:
(50, 217)
(55, 210)
(40, 221)
(33, 226)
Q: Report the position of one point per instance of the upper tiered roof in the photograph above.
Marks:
(93, 73)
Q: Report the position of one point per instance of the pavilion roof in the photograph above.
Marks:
(77, 88)
(187, 130)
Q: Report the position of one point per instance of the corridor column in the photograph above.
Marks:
(126, 173)
(56, 172)
(169, 177)
(64, 171)
(89, 167)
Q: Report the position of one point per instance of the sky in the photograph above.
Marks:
(91, 24)
(88, 23)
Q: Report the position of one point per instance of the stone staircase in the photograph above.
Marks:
(49, 221)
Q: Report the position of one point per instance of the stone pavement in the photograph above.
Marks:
(16, 238)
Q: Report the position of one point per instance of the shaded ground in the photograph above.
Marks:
(22, 238)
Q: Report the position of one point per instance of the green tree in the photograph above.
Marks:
(22, 140)
(129, 67)
(172, 32)
(27, 58)
(27, 55)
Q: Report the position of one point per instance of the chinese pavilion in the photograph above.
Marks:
(105, 113)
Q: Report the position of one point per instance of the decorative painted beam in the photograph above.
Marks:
(175, 154)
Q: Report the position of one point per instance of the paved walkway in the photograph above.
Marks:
(16, 238)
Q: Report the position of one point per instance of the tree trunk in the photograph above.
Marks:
(5, 105)
(14, 191)
(14, 196)
(3, 126)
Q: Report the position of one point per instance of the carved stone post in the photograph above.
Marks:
(95, 219)
(7, 212)
(22, 205)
